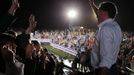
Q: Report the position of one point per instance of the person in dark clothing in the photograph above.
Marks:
(5, 39)
(76, 60)
(24, 51)
(25, 48)
(59, 68)
(48, 61)
(36, 57)
(5, 20)
(8, 64)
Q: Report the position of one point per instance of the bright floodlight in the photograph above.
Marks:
(72, 14)
(81, 27)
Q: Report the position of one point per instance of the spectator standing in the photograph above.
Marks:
(107, 40)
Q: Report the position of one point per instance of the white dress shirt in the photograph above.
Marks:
(107, 44)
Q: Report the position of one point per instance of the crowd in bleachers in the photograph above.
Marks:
(126, 54)
(75, 40)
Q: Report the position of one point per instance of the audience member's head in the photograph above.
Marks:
(24, 46)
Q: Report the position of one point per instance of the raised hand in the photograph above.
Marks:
(15, 3)
(93, 6)
(91, 2)
(14, 7)
(32, 24)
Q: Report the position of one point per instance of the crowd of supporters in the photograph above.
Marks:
(126, 55)
(76, 40)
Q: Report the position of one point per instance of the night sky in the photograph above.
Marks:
(51, 14)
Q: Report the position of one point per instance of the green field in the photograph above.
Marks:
(60, 53)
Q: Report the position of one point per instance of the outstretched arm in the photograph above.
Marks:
(94, 7)
(6, 19)
(14, 7)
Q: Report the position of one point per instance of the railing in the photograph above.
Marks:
(68, 50)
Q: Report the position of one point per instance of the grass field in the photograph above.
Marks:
(60, 53)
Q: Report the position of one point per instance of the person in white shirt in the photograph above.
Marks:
(107, 40)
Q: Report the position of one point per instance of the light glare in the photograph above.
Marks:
(72, 14)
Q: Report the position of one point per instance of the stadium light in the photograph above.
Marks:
(72, 14)
(81, 27)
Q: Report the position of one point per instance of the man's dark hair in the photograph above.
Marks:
(35, 42)
(110, 8)
(6, 38)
